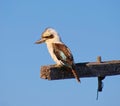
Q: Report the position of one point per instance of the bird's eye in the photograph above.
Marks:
(49, 37)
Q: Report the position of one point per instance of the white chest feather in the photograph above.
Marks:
(50, 49)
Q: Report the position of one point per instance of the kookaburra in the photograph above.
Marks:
(59, 52)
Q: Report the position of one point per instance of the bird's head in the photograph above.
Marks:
(49, 36)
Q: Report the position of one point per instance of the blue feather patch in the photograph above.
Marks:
(62, 55)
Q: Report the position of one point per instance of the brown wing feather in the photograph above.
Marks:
(69, 57)
(65, 50)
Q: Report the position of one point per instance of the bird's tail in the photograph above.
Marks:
(75, 75)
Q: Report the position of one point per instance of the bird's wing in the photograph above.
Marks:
(63, 53)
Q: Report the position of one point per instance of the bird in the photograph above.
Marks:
(59, 52)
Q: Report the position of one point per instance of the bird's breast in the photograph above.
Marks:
(50, 49)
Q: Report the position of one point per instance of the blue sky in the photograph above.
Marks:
(89, 27)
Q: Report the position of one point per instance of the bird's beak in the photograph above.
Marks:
(42, 40)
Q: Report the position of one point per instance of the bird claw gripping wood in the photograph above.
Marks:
(100, 85)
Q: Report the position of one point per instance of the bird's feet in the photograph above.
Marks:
(57, 66)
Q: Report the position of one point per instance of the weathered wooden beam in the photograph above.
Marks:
(87, 69)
